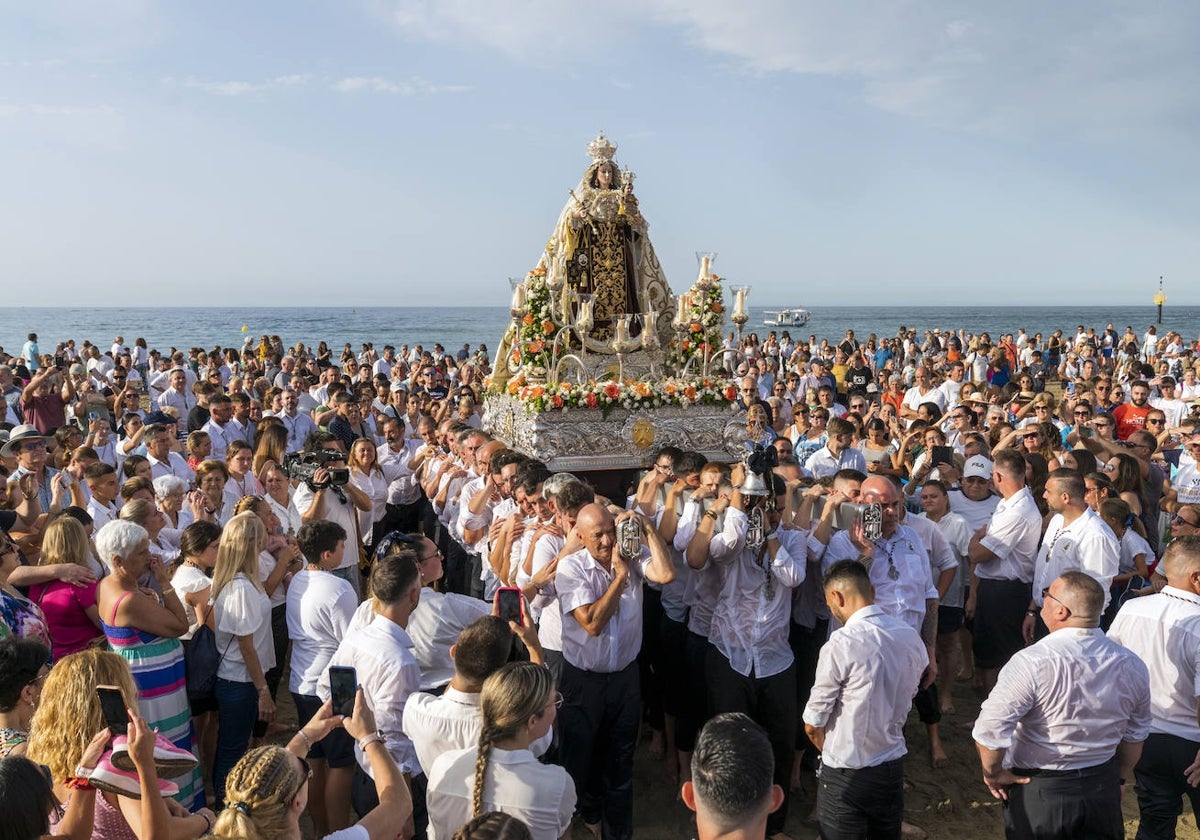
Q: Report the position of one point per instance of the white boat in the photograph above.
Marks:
(797, 317)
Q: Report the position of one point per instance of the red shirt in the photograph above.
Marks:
(1129, 419)
(45, 413)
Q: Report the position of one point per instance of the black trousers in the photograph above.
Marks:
(1066, 803)
(999, 614)
(650, 656)
(806, 647)
(599, 724)
(768, 701)
(694, 711)
(863, 803)
(1160, 784)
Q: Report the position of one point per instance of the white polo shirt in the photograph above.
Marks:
(1012, 536)
(580, 581)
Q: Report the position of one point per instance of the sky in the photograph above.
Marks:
(418, 152)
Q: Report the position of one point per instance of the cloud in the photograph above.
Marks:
(415, 86)
(45, 110)
(239, 88)
(1101, 70)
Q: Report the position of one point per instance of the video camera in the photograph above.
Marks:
(302, 466)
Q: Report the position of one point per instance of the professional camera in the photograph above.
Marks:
(302, 466)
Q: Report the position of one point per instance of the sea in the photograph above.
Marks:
(452, 327)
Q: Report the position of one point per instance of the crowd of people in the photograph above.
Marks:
(187, 528)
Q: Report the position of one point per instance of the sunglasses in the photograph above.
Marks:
(1046, 594)
(304, 777)
(1179, 520)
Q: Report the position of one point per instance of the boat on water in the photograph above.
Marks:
(796, 317)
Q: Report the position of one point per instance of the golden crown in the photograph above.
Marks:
(601, 149)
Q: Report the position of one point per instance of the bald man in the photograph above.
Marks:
(600, 594)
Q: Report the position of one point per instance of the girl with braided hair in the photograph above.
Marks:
(519, 705)
(267, 790)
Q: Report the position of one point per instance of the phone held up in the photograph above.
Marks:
(343, 685)
(509, 605)
(112, 706)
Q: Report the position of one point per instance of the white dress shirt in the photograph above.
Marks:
(299, 427)
(704, 585)
(453, 721)
(540, 795)
(1012, 536)
(1066, 702)
(403, 487)
(1086, 545)
(867, 675)
(242, 610)
(434, 626)
(545, 603)
(580, 581)
(381, 653)
(319, 608)
(750, 620)
(1164, 630)
(905, 594)
(175, 465)
(343, 513)
(823, 462)
(221, 437)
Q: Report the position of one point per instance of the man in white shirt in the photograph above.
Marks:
(750, 667)
(220, 427)
(178, 396)
(1164, 630)
(162, 460)
(319, 609)
(731, 788)
(452, 721)
(1002, 555)
(601, 597)
(404, 491)
(867, 675)
(921, 392)
(1169, 403)
(1076, 539)
(1064, 725)
(381, 653)
(322, 500)
(298, 424)
(837, 453)
(105, 489)
(951, 387)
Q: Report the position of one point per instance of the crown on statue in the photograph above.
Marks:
(601, 149)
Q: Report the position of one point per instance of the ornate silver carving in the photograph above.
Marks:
(583, 439)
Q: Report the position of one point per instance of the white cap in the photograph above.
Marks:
(977, 467)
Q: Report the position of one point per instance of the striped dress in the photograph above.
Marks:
(158, 670)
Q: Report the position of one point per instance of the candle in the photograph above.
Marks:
(739, 305)
(518, 300)
(681, 316)
(703, 267)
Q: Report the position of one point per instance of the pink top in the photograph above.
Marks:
(64, 606)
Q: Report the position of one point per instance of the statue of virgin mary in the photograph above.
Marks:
(600, 247)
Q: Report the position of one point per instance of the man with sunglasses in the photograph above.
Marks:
(1185, 486)
(1064, 725)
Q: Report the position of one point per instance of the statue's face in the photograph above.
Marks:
(604, 177)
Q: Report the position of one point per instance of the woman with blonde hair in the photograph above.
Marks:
(68, 717)
(279, 559)
(242, 620)
(144, 628)
(519, 705)
(70, 610)
(267, 790)
(146, 513)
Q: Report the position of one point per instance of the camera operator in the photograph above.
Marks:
(323, 497)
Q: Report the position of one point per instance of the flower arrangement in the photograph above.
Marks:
(705, 310)
(537, 328)
(629, 394)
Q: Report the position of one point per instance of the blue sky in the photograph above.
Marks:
(419, 151)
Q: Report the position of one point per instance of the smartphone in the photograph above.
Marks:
(942, 455)
(508, 604)
(343, 685)
(112, 706)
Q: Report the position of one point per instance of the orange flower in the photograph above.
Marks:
(690, 393)
(590, 399)
(612, 390)
(696, 327)
(718, 307)
(642, 389)
(685, 345)
(671, 388)
(548, 327)
(536, 347)
(556, 401)
(730, 393)
(513, 387)
(516, 357)
(528, 320)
